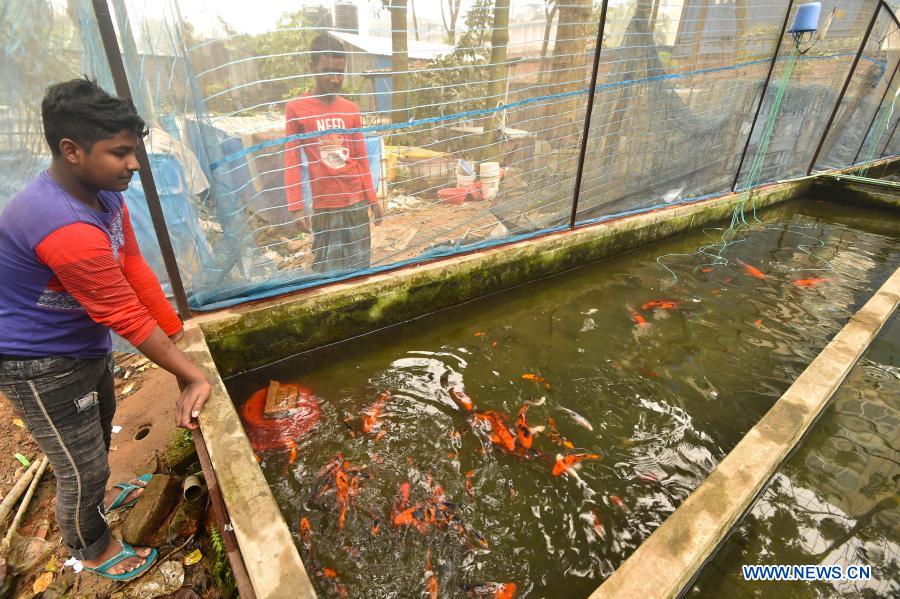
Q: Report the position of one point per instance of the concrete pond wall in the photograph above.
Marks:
(231, 341)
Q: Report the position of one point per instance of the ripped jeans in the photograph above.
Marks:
(68, 406)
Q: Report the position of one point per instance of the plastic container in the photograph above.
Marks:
(489, 170)
(465, 181)
(453, 195)
(490, 179)
(806, 19)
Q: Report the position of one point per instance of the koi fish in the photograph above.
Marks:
(430, 579)
(752, 271)
(617, 501)
(523, 433)
(479, 334)
(293, 455)
(648, 477)
(637, 318)
(329, 573)
(807, 283)
(371, 415)
(305, 534)
(492, 590)
(499, 432)
(649, 372)
(577, 418)
(662, 304)
(470, 488)
(758, 321)
(598, 526)
(537, 403)
(459, 397)
(554, 435)
(376, 526)
(707, 269)
(537, 379)
(565, 463)
(342, 485)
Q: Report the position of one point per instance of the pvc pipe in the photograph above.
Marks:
(193, 487)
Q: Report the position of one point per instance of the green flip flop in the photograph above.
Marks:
(127, 489)
(126, 552)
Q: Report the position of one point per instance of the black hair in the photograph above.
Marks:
(326, 45)
(81, 111)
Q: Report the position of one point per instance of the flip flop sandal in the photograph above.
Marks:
(127, 551)
(127, 489)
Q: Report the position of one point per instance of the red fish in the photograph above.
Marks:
(648, 477)
(565, 463)
(758, 321)
(371, 417)
(598, 526)
(305, 534)
(537, 379)
(523, 432)
(649, 372)
(459, 397)
(492, 590)
(752, 271)
(329, 573)
(662, 304)
(707, 269)
(807, 283)
(499, 432)
(430, 579)
(637, 318)
(470, 488)
(617, 501)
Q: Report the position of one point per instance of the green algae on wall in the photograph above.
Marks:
(256, 336)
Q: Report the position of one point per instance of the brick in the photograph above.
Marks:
(147, 517)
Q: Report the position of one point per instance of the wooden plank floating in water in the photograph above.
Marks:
(668, 561)
(281, 400)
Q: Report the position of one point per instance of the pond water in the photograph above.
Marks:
(834, 502)
(649, 375)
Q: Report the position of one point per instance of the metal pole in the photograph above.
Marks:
(120, 77)
(890, 137)
(588, 111)
(837, 104)
(787, 14)
(875, 115)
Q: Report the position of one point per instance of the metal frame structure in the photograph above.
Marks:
(589, 109)
(120, 78)
(762, 95)
(875, 114)
(847, 79)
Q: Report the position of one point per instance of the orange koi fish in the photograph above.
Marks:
(430, 579)
(707, 269)
(459, 397)
(537, 379)
(293, 455)
(342, 485)
(523, 432)
(499, 432)
(554, 435)
(565, 463)
(492, 590)
(470, 488)
(662, 304)
(329, 573)
(305, 534)
(807, 283)
(479, 334)
(752, 271)
(598, 526)
(371, 415)
(617, 501)
(637, 318)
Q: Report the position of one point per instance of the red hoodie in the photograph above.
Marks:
(338, 166)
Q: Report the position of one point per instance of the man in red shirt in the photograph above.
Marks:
(339, 176)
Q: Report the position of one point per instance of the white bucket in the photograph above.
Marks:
(489, 188)
(489, 170)
(464, 181)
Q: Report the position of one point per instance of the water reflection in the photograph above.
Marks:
(666, 376)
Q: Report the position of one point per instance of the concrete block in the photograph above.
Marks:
(147, 517)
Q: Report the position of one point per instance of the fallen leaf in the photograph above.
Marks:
(192, 558)
(128, 389)
(42, 582)
(51, 565)
(18, 422)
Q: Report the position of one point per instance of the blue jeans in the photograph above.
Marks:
(68, 406)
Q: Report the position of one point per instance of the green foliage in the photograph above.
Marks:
(281, 49)
(221, 569)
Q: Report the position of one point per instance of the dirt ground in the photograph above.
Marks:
(145, 410)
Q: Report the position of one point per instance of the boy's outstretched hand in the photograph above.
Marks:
(193, 396)
(159, 348)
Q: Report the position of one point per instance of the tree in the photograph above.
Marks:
(453, 9)
(399, 62)
(569, 65)
(497, 74)
(551, 8)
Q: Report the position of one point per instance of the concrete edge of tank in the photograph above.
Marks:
(673, 555)
(266, 546)
(254, 335)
